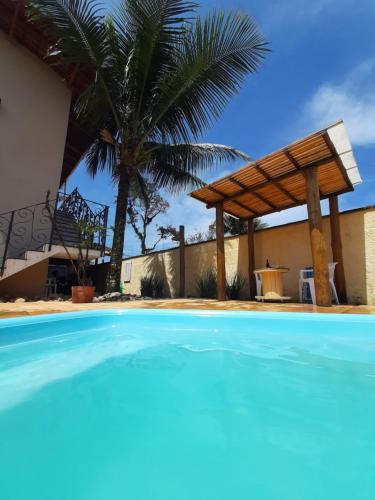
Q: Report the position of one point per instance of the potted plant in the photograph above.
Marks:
(83, 292)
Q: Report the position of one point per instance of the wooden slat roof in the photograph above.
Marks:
(276, 181)
(13, 21)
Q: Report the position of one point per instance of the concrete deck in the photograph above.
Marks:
(10, 309)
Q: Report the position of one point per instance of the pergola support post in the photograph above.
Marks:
(251, 258)
(317, 240)
(336, 246)
(181, 237)
(220, 252)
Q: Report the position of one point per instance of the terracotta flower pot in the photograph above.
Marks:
(82, 294)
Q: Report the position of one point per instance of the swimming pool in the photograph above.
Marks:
(187, 405)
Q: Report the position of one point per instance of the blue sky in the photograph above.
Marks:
(321, 69)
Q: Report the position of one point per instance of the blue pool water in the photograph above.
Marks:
(183, 405)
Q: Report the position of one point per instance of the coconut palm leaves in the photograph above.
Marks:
(161, 75)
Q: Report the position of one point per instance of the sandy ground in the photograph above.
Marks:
(12, 309)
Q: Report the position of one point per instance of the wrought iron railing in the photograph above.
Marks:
(32, 227)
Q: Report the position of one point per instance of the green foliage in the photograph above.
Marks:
(234, 285)
(158, 287)
(152, 286)
(207, 284)
(147, 288)
(234, 226)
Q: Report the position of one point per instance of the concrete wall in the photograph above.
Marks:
(34, 113)
(287, 245)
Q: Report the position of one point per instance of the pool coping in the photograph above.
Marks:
(19, 309)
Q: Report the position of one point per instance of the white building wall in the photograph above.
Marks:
(34, 113)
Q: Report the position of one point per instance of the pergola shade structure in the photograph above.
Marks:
(321, 165)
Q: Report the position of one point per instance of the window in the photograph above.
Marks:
(128, 272)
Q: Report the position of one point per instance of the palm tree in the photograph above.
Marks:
(162, 76)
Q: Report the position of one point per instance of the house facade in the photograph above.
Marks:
(41, 144)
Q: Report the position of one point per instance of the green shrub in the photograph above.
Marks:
(207, 284)
(152, 286)
(158, 287)
(147, 286)
(234, 286)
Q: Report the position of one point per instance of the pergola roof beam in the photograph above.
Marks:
(291, 158)
(220, 193)
(274, 182)
(281, 177)
(256, 195)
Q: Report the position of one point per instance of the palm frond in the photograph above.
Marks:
(193, 158)
(78, 26)
(173, 178)
(101, 156)
(214, 58)
(138, 186)
(152, 28)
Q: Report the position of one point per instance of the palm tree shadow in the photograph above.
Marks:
(165, 266)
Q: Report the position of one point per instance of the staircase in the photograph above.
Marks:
(28, 235)
(66, 226)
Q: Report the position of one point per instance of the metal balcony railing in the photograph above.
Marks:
(31, 228)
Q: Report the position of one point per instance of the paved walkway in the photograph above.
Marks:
(10, 309)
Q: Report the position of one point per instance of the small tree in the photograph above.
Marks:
(198, 237)
(143, 208)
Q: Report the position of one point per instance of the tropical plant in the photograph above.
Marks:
(234, 226)
(147, 288)
(199, 237)
(207, 284)
(161, 76)
(85, 234)
(158, 287)
(152, 286)
(234, 286)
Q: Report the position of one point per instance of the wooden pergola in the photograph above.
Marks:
(319, 166)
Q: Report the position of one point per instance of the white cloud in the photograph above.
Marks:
(353, 99)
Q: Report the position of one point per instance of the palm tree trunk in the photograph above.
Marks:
(114, 272)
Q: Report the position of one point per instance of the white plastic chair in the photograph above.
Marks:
(51, 286)
(258, 281)
(304, 278)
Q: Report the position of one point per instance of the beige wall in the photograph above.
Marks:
(34, 113)
(287, 245)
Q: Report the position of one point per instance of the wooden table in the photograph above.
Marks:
(272, 284)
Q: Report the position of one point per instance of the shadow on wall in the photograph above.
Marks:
(199, 258)
(164, 266)
(242, 265)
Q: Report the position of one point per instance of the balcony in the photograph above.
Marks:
(61, 222)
